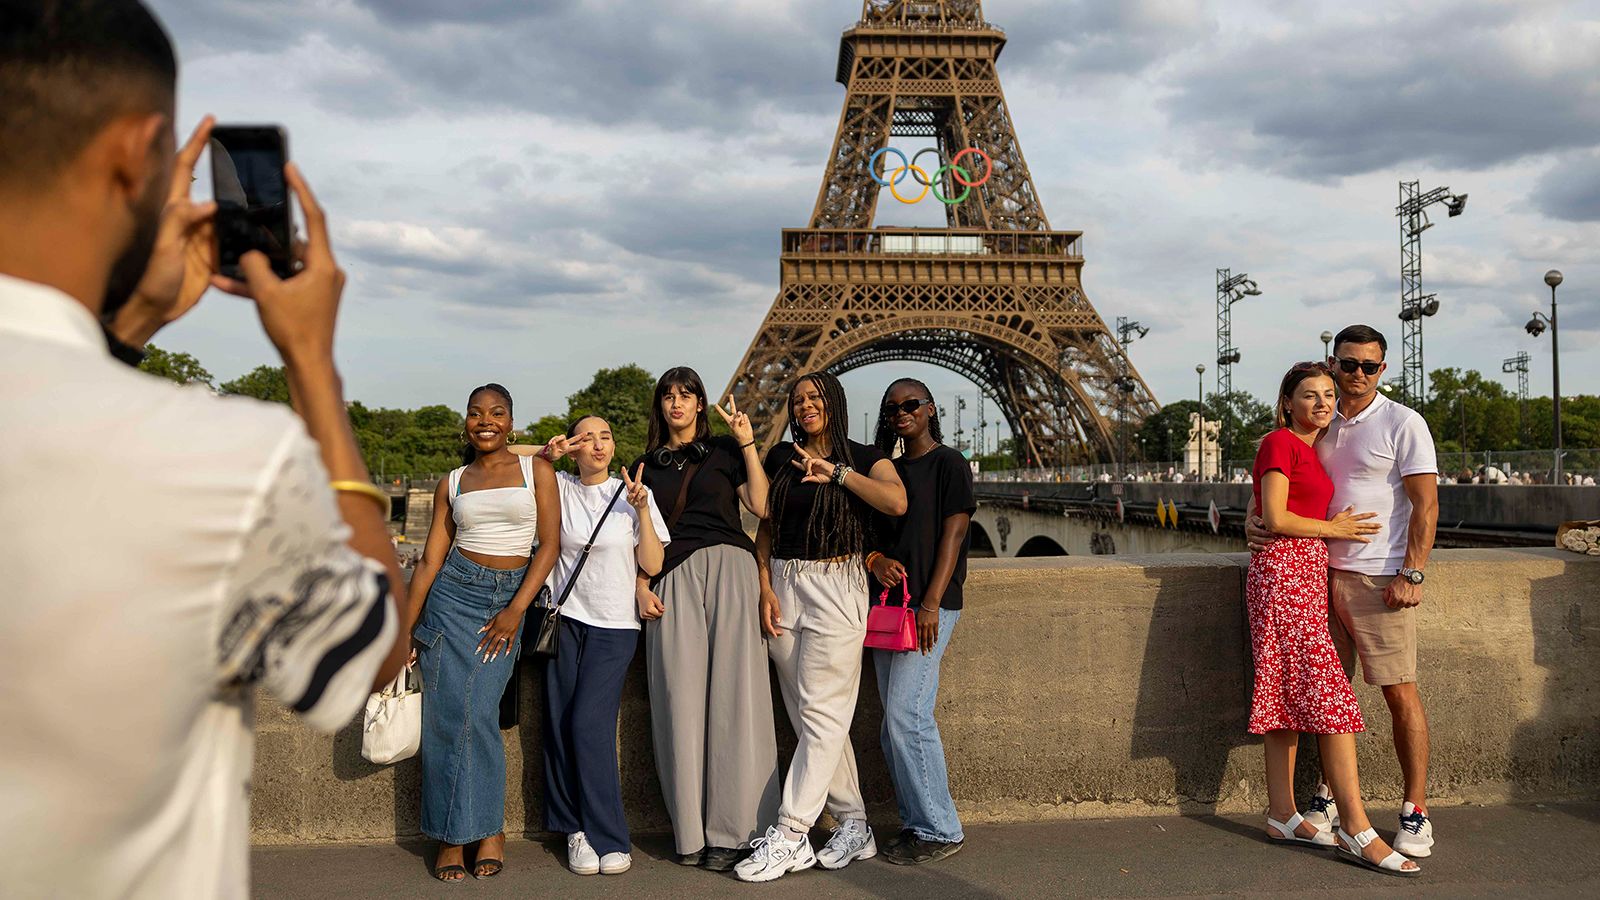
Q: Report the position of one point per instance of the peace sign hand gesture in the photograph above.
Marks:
(738, 422)
(638, 494)
(561, 445)
(817, 470)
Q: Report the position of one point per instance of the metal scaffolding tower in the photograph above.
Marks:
(1230, 290)
(1415, 305)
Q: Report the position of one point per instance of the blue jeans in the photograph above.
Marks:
(463, 759)
(908, 685)
(583, 695)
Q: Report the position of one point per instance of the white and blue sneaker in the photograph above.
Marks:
(851, 841)
(1321, 811)
(1415, 836)
(775, 856)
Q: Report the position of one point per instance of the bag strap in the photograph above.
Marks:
(683, 494)
(905, 590)
(583, 556)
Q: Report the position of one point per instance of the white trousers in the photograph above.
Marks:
(823, 614)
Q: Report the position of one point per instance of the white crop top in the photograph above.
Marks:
(496, 521)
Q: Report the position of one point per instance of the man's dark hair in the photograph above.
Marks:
(67, 69)
(1361, 334)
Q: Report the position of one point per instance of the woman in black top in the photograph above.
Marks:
(710, 696)
(927, 547)
(814, 609)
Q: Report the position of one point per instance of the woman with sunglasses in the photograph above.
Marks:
(927, 549)
(710, 695)
(809, 549)
(1299, 684)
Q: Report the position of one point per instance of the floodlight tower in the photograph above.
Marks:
(1415, 305)
(1519, 365)
(1127, 332)
(1230, 290)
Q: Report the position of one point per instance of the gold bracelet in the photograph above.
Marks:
(365, 489)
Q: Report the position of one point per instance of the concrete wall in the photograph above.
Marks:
(1090, 686)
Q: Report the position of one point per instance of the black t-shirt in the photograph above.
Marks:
(711, 509)
(938, 486)
(793, 521)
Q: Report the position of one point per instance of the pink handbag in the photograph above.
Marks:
(892, 627)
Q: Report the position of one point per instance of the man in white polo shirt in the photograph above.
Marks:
(1380, 456)
(166, 551)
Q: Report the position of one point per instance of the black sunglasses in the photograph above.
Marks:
(1367, 367)
(909, 407)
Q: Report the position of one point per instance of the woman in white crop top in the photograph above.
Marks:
(468, 596)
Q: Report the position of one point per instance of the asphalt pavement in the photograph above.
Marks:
(1522, 851)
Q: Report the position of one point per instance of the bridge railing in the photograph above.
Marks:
(1580, 467)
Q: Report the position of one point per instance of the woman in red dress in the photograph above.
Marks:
(1299, 685)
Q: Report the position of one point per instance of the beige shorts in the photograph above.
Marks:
(1363, 625)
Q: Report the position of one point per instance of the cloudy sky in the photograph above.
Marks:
(528, 190)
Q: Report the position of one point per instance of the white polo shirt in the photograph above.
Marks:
(1368, 457)
(164, 551)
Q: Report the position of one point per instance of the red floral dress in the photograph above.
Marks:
(1299, 684)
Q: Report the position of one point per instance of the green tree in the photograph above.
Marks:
(179, 367)
(1164, 434)
(263, 383)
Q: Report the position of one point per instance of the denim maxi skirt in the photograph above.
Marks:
(463, 759)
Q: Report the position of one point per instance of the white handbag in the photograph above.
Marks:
(391, 729)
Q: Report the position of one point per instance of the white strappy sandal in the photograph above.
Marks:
(1391, 864)
(1288, 834)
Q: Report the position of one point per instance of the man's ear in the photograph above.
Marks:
(138, 151)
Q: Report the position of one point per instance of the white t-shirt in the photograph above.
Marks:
(162, 557)
(603, 594)
(1368, 458)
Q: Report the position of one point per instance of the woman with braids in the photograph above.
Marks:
(710, 695)
(927, 549)
(809, 549)
(468, 596)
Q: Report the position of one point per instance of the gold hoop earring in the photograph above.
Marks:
(511, 437)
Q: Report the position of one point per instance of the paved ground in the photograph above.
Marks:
(1525, 851)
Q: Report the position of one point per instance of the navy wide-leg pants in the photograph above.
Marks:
(583, 695)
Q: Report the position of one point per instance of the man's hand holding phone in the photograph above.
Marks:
(298, 312)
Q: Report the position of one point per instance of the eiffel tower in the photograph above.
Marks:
(994, 296)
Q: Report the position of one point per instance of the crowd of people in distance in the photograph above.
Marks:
(260, 558)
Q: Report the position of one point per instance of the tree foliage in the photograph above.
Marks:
(180, 367)
(263, 383)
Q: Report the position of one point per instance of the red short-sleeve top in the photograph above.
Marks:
(1310, 488)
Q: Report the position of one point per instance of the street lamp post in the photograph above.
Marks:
(1535, 327)
(1327, 339)
(1200, 429)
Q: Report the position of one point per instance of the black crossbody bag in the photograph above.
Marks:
(549, 623)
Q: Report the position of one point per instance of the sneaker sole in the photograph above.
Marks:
(867, 852)
(583, 871)
(625, 868)
(908, 861)
(774, 875)
(1419, 853)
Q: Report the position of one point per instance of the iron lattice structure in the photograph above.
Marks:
(1414, 304)
(1230, 290)
(995, 296)
(1519, 365)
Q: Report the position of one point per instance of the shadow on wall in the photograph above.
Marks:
(1551, 745)
(1194, 686)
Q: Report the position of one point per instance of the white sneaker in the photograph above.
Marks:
(615, 863)
(851, 841)
(1322, 811)
(581, 858)
(1415, 836)
(775, 856)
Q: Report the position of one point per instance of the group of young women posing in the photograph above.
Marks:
(715, 606)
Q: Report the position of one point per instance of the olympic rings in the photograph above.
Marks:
(958, 174)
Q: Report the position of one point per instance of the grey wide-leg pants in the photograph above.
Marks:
(711, 702)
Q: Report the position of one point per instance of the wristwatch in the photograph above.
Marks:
(1412, 575)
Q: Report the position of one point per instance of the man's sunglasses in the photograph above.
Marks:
(909, 407)
(1367, 367)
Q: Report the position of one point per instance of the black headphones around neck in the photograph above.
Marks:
(694, 451)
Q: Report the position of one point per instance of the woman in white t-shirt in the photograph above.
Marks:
(599, 632)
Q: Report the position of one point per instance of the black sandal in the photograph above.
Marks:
(488, 861)
(446, 870)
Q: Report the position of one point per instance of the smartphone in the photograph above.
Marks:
(252, 197)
